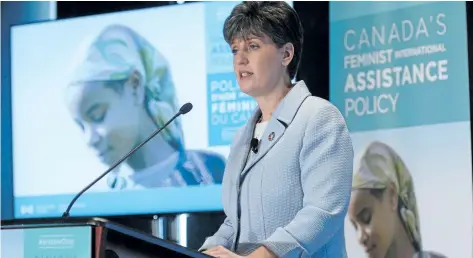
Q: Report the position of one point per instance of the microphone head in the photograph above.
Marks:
(185, 108)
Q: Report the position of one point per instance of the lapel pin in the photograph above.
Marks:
(271, 136)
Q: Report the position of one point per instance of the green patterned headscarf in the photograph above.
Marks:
(379, 166)
(114, 55)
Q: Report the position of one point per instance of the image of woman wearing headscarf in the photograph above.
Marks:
(119, 94)
(383, 208)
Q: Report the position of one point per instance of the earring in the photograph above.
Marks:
(135, 84)
(135, 97)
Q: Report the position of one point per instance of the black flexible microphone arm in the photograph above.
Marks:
(183, 110)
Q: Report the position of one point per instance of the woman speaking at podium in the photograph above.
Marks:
(287, 182)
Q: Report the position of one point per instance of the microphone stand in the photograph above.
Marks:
(183, 110)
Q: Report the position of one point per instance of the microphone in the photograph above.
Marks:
(183, 110)
(254, 145)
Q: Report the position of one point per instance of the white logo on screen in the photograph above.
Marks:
(56, 241)
(26, 209)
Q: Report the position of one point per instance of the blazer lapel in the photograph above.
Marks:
(273, 132)
(242, 145)
(280, 120)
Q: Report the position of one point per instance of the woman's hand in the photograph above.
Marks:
(221, 252)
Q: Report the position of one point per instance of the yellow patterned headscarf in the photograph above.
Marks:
(379, 166)
(115, 54)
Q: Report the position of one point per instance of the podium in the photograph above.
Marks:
(85, 238)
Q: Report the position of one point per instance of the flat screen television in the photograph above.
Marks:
(86, 90)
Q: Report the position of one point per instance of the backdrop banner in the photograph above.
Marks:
(399, 75)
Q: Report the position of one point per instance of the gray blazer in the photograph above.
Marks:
(292, 196)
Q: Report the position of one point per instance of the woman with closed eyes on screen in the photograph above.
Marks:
(383, 206)
(119, 94)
